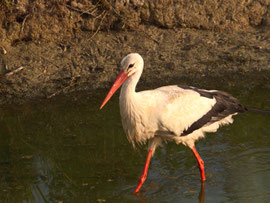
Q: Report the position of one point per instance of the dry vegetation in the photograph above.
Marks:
(62, 19)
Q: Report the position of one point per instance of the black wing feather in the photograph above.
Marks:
(225, 105)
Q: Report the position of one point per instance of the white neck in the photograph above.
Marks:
(128, 89)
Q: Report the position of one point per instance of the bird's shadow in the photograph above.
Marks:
(201, 195)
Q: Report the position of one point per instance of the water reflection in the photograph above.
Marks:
(202, 193)
(66, 150)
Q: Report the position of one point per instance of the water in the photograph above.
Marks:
(66, 150)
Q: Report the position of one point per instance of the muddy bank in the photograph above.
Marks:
(183, 54)
(54, 52)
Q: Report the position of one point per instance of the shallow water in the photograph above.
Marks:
(66, 150)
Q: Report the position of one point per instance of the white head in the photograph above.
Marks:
(132, 65)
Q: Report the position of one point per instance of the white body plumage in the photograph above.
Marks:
(164, 113)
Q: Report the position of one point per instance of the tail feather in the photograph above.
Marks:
(258, 111)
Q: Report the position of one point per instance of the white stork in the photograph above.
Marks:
(172, 113)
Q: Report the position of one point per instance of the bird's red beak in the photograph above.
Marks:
(118, 82)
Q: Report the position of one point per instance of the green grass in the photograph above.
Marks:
(6, 3)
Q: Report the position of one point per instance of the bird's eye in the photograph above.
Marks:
(131, 65)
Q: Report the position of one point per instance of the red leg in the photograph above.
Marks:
(200, 162)
(144, 174)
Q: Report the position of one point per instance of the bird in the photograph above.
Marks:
(177, 113)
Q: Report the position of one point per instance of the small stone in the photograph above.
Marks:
(4, 51)
(74, 4)
(27, 156)
(80, 6)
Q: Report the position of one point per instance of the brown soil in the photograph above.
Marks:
(72, 45)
